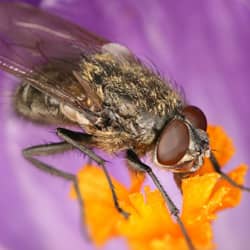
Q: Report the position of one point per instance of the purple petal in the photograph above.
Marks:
(203, 45)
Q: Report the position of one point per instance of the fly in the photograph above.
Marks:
(70, 76)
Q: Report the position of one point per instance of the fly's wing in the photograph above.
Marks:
(34, 42)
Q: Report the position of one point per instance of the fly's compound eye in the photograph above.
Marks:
(173, 143)
(196, 117)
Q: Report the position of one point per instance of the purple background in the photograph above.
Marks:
(203, 45)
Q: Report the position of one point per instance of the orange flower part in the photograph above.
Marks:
(204, 196)
(150, 225)
(137, 179)
(101, 215)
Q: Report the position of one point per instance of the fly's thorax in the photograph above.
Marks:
(126, 87)
(125, 98)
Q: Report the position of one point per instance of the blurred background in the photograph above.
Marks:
(202, 45)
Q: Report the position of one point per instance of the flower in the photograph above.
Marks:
(202, 45)
(150, 226)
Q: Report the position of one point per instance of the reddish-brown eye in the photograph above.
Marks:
(196, 117)
(173, 144)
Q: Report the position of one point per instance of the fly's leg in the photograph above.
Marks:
(79, 140)
(217, 169)
(135, 162)
(30, 155)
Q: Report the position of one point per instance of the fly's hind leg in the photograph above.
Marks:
(30, 155)
(81, 141)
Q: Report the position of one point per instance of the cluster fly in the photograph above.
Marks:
(70, 76)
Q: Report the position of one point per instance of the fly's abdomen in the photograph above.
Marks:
(36, 106)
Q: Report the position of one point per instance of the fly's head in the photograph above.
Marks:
(183, 142)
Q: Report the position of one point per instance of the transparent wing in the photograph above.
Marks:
(31, 38)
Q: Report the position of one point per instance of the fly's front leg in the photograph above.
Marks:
(30, 155)
(135, 162)
(79, 141)
(216, 166)
(217, 169)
